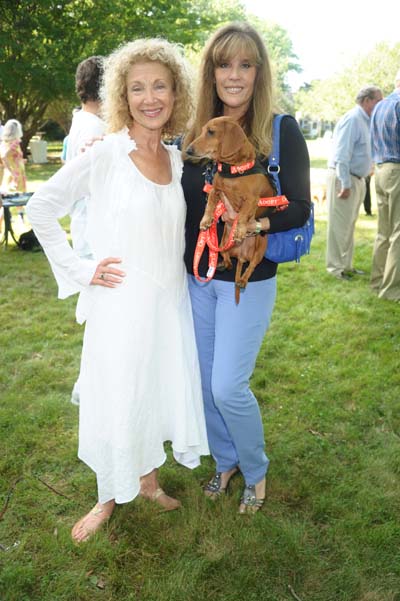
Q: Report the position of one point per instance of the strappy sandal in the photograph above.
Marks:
(86, 526)
(160, 497)
(213, 488)
(249, 502)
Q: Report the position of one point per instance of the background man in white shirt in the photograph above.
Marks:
(86, 125)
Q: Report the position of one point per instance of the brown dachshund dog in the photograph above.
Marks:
(223, 140)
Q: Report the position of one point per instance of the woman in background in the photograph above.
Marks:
(13, 162)
(14, 179)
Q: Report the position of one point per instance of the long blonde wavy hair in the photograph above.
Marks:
(115, 109)
(226, 43)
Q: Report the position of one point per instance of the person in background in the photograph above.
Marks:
(1, 163)
(13, 162)
(350, 162)
(235, 80)
(63, 155)
(385, 135)
(1, 178)
(14, 179)
(140, 378)
(86, 126)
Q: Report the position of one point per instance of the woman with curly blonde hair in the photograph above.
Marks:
(115, 109)
(140, 381)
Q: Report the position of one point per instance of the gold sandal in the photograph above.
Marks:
(160, 497)
(81, 532)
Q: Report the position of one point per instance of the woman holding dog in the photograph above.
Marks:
(235, 80)
(140, 380)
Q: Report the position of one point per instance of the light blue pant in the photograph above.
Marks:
(228, 338)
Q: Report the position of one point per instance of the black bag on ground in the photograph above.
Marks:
(28, 241)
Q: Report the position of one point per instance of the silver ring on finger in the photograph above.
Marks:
(102, 276)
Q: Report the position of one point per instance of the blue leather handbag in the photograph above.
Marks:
(296, 242)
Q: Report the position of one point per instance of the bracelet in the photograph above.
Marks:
(258, 227)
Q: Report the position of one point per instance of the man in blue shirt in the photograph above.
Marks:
(349, 163)
(385, 139)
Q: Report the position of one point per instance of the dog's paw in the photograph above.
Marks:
(241, 284)
(240, 233)
(225, 264)
(205, 224)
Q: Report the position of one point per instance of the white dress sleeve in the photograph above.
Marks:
(52, 201)
(176, 158)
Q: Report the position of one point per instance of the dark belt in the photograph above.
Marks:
(357, 176)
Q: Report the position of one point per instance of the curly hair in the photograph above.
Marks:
(115, 107)
(88, 78)
(227, 42)
(12, 130)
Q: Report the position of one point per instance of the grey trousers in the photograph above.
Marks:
(385, 273)
(342, 217)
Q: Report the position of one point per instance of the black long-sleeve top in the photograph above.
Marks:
(294, 178)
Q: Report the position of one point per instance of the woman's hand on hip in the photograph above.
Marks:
(106, 275)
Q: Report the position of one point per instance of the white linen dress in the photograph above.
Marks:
(140, 380)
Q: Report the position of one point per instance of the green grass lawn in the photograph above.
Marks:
(327, 380)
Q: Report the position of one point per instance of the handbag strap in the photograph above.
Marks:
(273, 159)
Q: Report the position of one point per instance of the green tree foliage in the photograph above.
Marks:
(282, 57)
(329, 99)
(42, 41)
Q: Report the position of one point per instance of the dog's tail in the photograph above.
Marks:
(237, 294)
(238, 275)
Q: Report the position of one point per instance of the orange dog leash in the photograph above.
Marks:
(210, 237)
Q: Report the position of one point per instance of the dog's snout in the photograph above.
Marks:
(190, 151)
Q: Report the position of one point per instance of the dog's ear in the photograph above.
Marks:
(233, 141)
